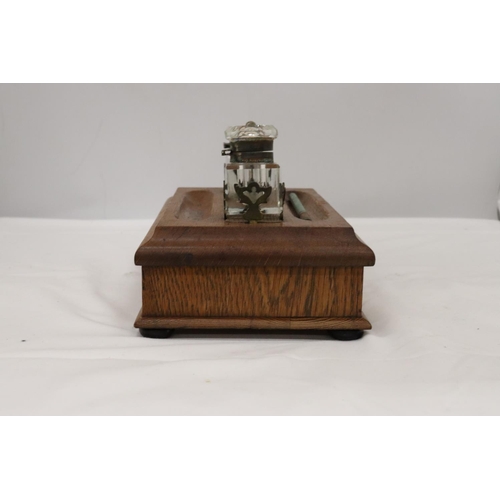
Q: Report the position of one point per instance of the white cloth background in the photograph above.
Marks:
(69, 293)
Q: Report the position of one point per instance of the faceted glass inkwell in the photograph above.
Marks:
(252, 188)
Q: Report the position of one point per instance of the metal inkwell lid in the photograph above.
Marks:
(250, 143)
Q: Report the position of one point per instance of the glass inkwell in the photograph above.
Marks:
(252, 188)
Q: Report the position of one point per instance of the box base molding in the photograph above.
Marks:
(354, 323)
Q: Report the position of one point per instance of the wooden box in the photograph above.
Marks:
(200, 271)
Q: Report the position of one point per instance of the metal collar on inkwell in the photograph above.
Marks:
(250, 143)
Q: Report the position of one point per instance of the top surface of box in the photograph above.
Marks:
(191, 231)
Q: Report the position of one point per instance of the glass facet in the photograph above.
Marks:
(241, 175)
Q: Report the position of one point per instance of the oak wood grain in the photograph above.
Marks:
(252, 292)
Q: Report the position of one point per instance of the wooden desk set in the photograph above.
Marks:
(250, 255)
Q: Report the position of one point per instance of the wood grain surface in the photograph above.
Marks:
(252, 292)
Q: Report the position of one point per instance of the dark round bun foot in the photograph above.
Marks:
(156, 333)
(346, 334)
